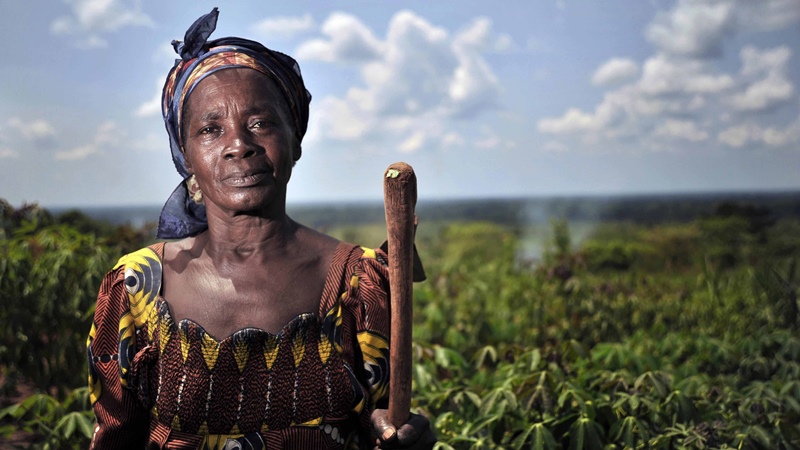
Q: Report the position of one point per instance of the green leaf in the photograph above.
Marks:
(542, 438)
(793, 403)
(487, 356)
(520, 440)
(85, 424)
(9, 411)
(476, 400)
(657, 380)
(634, 402)
(443, 446)
(584, 434)
(489, 402)
(760, 435)
(626, 431)
(536, 358)
(7, 430)
(442, 419)
(66, 426)
(511, 399)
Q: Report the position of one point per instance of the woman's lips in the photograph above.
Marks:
(245, 180)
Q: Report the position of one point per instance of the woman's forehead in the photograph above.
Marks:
(238, 79)
(240, 84)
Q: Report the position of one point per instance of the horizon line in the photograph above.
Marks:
(445, 199)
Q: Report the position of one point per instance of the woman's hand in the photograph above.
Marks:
(415, 434)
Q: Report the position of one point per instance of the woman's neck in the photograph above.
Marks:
(240, 238)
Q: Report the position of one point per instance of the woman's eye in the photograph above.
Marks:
(207, 130)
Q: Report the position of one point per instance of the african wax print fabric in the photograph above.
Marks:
(182, 217)
(155, 383)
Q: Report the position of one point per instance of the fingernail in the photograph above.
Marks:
(388, 433)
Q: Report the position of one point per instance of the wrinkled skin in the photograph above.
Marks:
(415, 434)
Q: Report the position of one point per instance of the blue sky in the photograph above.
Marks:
(484, 99)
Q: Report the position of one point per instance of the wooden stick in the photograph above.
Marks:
(400, 199)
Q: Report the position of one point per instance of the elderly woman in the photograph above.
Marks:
(246, 330)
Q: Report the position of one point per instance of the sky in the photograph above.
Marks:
(483, 98)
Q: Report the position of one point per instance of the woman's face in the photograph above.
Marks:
(238, 140)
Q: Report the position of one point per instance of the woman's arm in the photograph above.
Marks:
(122, 422)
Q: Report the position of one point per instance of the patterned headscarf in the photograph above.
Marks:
(181, 216)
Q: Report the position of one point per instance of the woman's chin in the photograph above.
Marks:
(255, 202)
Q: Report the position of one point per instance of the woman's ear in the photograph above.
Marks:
(187, 164)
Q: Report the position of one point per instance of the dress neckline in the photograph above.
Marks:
(329, 296)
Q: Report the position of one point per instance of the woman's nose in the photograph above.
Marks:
(240, 145)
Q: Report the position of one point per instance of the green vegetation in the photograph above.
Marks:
(678, 335)
(50, 272)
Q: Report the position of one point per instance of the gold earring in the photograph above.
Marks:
(194, 190)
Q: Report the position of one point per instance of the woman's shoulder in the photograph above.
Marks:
(365, 271)
(139, 273)
(146, 260)
(151, 255)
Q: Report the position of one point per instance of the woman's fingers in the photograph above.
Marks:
(382, 428)
(412, 430)
(415, 434)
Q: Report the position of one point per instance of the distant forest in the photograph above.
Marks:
(639, 209)
(517, 212)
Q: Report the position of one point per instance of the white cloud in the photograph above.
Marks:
(488, 142)
(681, 129)
(8, 153)
(81, 152)
(681, 86)
(775, 137)
(664, 75)
(491, 140)
(574, 120)
(107, 135)
(756, 62)
(767, 15)
(474, 86)
(349, 40)
(505, 43)
(452, 139)
(283, 27)
(151, 142)
(614, 71)
(151, 107)
(764, 94)
(90, 18)
(697, 28)
(414, 84)
(34, 130)
(666, 88)
(165, 53)
(750, 133)
(340, 120)
(62, 25)
(739, 135)
(771, 86)
(413, 143)
(692, 28)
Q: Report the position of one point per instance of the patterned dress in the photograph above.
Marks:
(156, 383)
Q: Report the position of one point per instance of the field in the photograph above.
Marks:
(663, 325)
